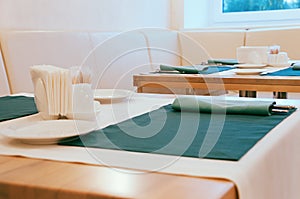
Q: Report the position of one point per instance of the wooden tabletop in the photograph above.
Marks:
(34, 178)
(222, 81)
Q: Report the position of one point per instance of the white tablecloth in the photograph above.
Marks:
(271, 169)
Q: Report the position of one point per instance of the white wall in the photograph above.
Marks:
(107, 15)
(196, 13)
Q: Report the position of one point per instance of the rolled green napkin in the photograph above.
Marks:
(223, 61)
(221, 105)
(296, 66)
(184, 69)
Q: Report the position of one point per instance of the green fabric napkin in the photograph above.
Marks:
(12, 107)
(223, 61)
(296, 66)
(222, 105)
(184, 69)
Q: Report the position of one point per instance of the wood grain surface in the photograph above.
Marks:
(25, 178)
(214, 82)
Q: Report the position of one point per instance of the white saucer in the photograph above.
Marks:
(105, 96)
(48, 131)
(250, 65)
(249, 71)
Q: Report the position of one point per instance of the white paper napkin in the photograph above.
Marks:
(52, 89)
(59, 95)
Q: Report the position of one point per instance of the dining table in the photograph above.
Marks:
(247, 81)
(269, 169)
(52, 171)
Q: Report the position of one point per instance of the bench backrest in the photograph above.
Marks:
(288, 38)
(4, 85)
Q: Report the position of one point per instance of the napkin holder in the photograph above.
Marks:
(58, 96)
(278, 60)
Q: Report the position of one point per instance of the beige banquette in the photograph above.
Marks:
(115, 56)
(4, 87)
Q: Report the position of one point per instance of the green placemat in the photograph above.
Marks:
(190, 134)
(12, 107)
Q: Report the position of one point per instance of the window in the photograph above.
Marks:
(240, 13)
(264, 5)
(255, 12)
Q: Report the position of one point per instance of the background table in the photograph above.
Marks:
(191, 83)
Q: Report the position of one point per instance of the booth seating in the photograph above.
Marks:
(4, 87)
(111, 56)
(114, 57)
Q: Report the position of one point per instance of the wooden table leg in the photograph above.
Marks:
(280, 95)
(139, 89)
(247, 94)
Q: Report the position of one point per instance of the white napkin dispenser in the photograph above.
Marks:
(56, 97)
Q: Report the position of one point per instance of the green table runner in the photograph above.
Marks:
(12, 107)
(167, 131)
(190, 134)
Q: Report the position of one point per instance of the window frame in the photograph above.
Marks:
(270, 17)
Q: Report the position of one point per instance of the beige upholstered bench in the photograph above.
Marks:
(4, 86)
(116, 56)
(113, 57)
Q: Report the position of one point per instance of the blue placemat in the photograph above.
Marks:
(193, 70)
(285, 72)
(216, 69)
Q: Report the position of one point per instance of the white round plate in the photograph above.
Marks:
(249, 71)
(250, 65)
(48, 131)
(111, 95)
